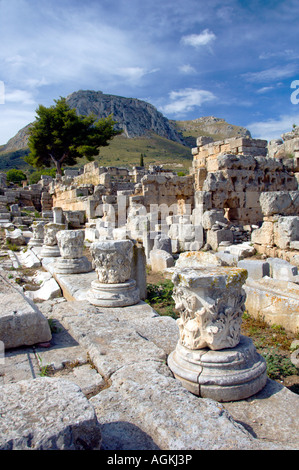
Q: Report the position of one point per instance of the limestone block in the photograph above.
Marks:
(150, 410)
(210, 217)
(252, 199)
(256, 268)
(49, 290)
(227, 259)
(197, 259)
(215, 237)
(276, 301)
(173, 232)
(28, 259)
(281, 269)
(286, 230)
(148, 242)
(264, 235)
(162, 242)
(203, 199)
(138, 269)
(186, 233)
(58, 216)
(21, 323)
(275, 202)
(91, 234)
(54, 414)
(294, 245)
(15, 237)
(160, 260)
(175, 246)
(243, 250)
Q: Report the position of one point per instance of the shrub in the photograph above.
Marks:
(159, 296)
(278, 366)
(15, 176)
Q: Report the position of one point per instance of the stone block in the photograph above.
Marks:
(281, 269)
(243, 250)
(15, 237)
(49, 290)
(215, 237)
(256, 268)
(197, 259)
(286, 230)
(275, 202)
(160, 260)
(53, 414)
(264, 235)
(21, 323)
(210, 217)
(276, 301)
(162, 242)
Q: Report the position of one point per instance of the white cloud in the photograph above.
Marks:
(187, 69)
(265, 89)
(184, 101)
(272, 128)
(23, 97)
(198, 40)
(133, 73)
(271, 74)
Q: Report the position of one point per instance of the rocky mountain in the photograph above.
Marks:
(134, 116)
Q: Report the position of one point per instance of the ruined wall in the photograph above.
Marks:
(278, 235)
(169, 190)
(234, 180)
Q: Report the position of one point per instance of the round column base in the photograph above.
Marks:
(36, 242)
(50, 251)
(113, 295)
(225, 375)
(72, 265)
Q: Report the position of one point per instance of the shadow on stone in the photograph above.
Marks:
(121, 435)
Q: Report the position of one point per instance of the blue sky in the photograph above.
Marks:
(231, 59)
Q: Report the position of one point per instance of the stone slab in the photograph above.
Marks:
(256, 268)
(146, 398)
(275, 301)
(47, 414)
(261, 419)
(21, 323)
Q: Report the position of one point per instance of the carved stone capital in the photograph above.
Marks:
(211, 304)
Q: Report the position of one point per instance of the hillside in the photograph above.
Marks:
(146, 131)
(210, 126)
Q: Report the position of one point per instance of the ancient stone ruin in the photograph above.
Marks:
(120, 375)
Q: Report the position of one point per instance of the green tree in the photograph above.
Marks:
(141, 162)
(15, 176)
(59, 136)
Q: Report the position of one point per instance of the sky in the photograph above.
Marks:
(230, 59)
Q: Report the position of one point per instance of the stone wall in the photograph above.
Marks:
(233, 181)
(168, 189)
(278, 235)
